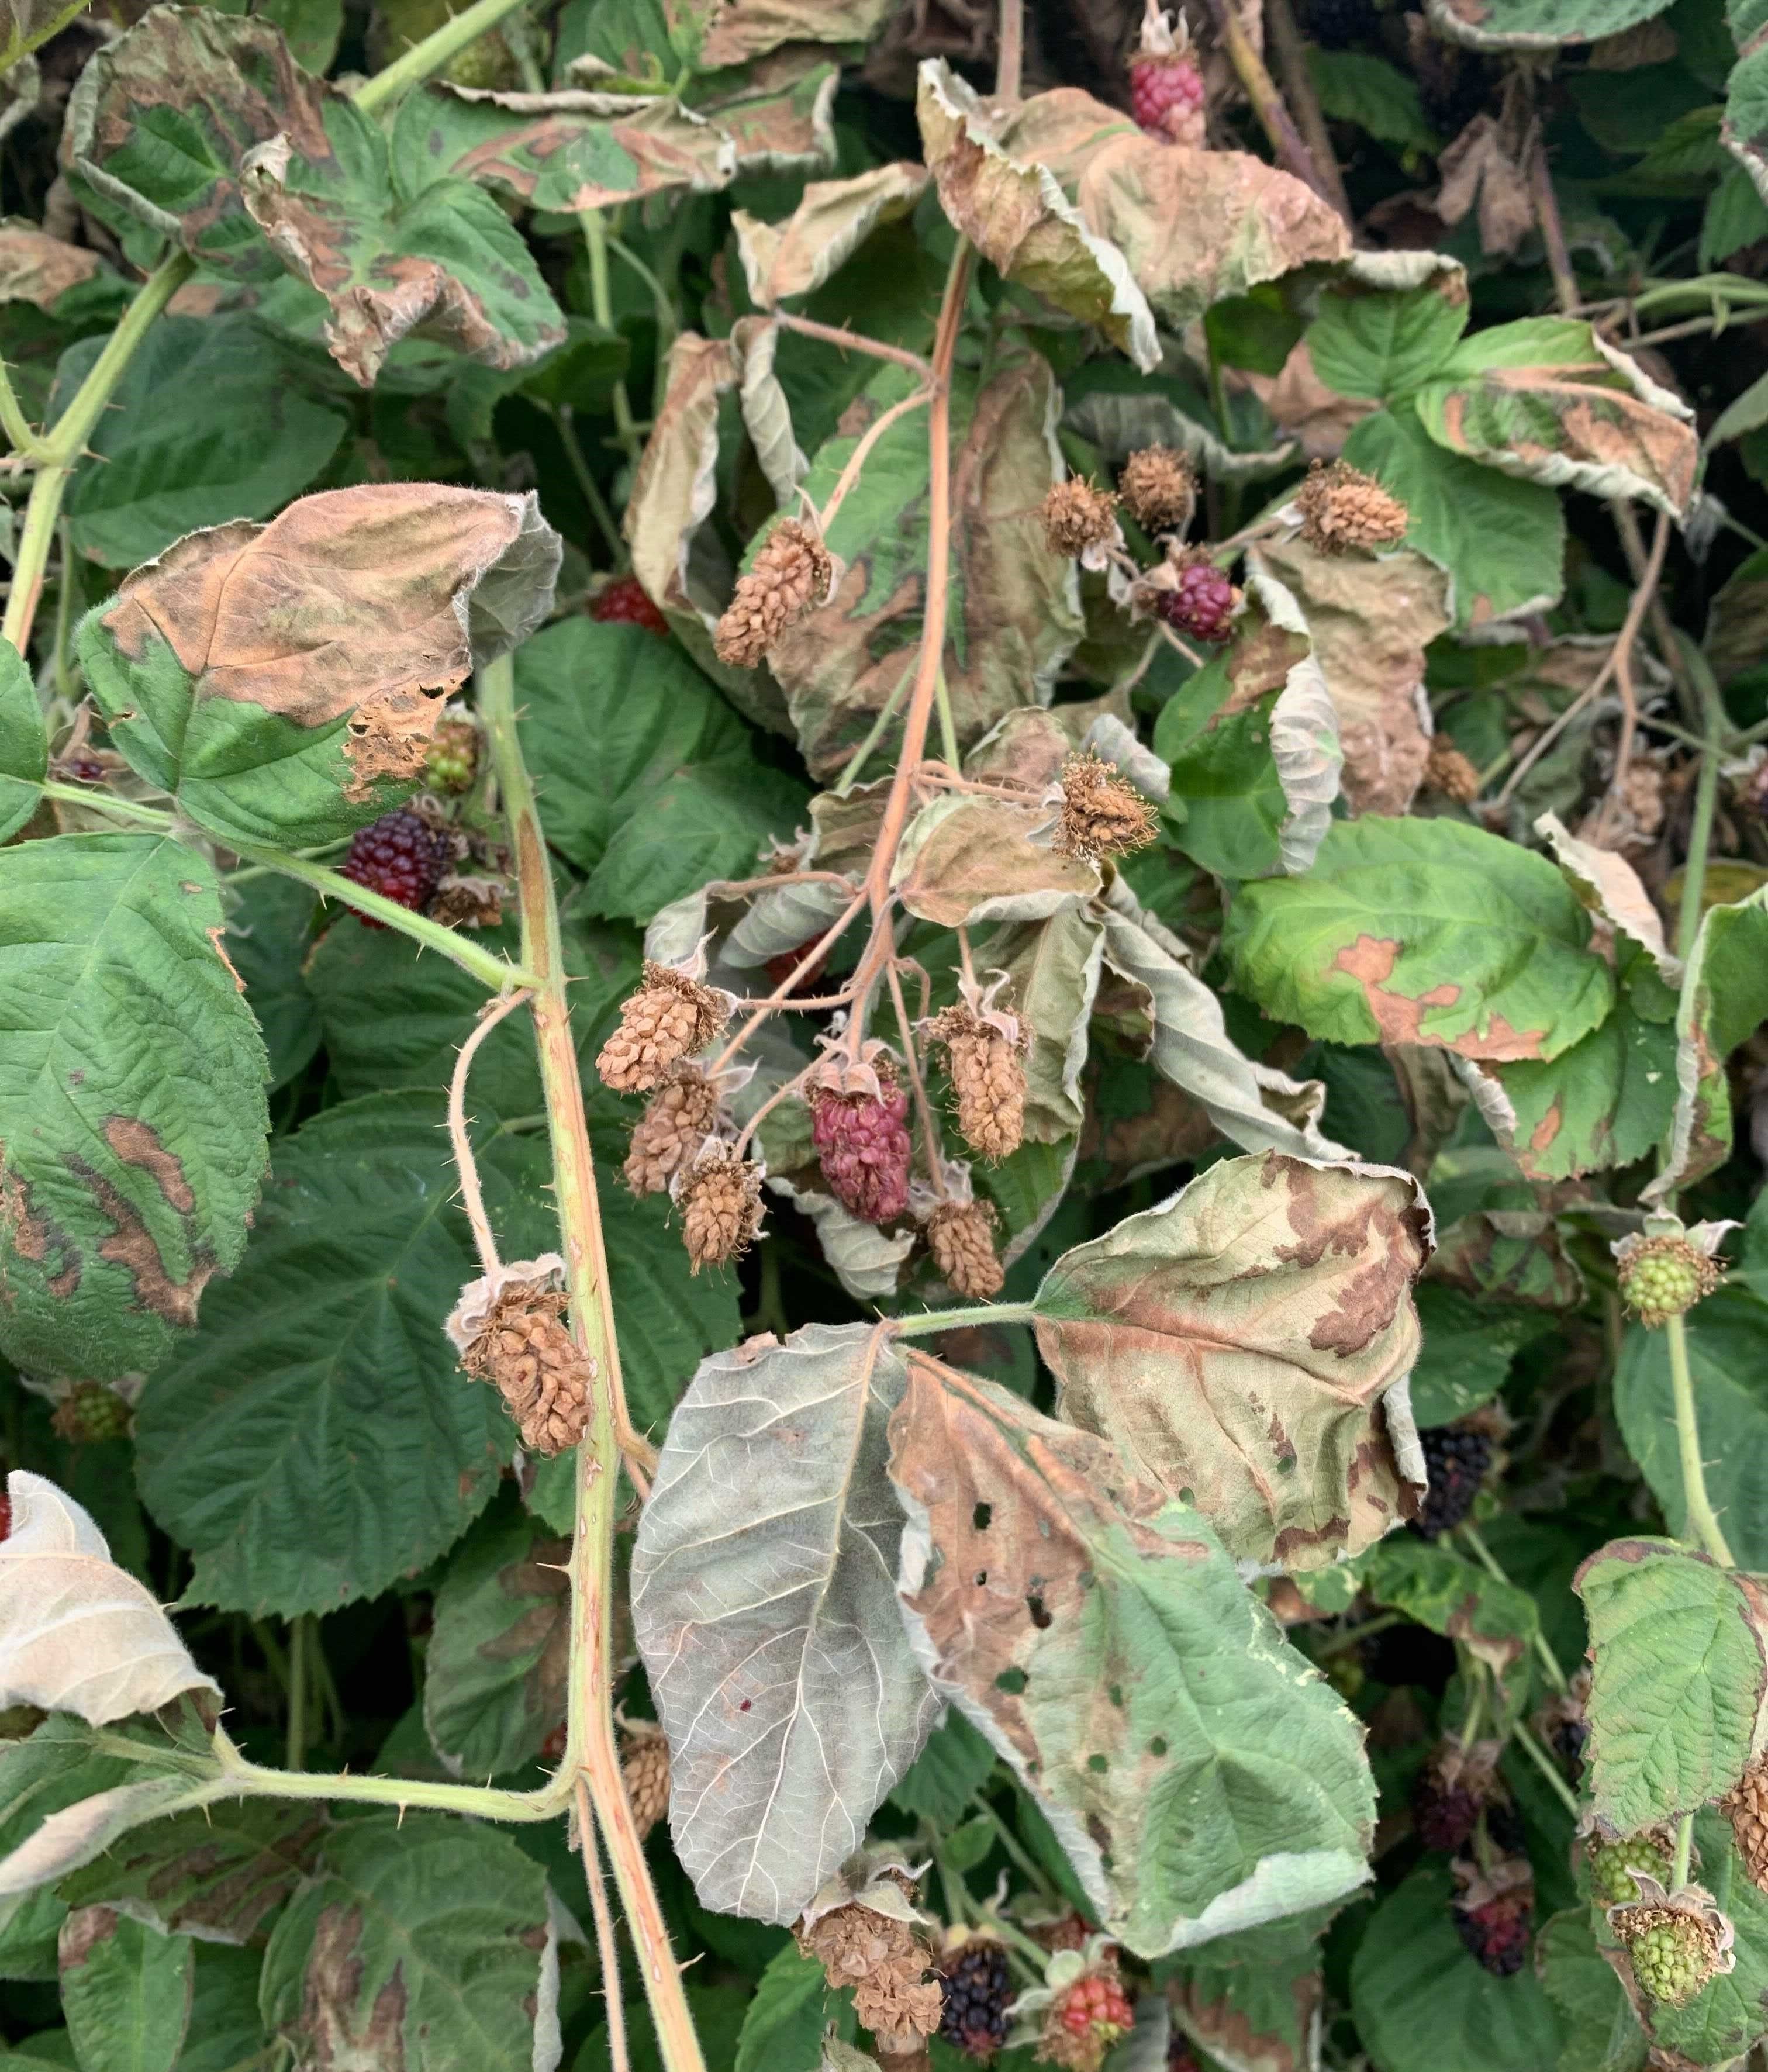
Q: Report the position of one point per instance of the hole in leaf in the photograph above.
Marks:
(1012, 1681)
(1097, 1765)
(1157, 1745)
(1040, 1618)
(981, 1577)
(981, 1516)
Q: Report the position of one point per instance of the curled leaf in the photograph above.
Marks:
(831, 221)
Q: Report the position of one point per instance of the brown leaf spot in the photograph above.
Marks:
(218, 937)
(131, 1246)
(1371, 960)
(329, 2003)
(1294, 1540)
(81, 1933)
(23, 1231)
(135, 1143)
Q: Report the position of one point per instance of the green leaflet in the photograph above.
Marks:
(1435, 1586)
(783, 2025)
(283, 680)
(219, 1873)
(1423, 931)
(939, 1784)
(24, 749)
(706, 822)
(420, 1941)
(226, 2033)
(1227, 804)
(494, 1678)
(126, 1990)
(1356, 87)
(1468, 1346)
(25, 25)
(1380, 345)
(319, 1440)
(1680, 1671)
(1200, 1777)
(127, 1177)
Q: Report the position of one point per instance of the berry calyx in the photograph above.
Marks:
(1615, 1866)
(1457, 1460)
(977, 1984)
(626, 602)
(1661, 1277)
(400, 856)
(1201, 601)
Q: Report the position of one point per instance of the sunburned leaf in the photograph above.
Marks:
(422, 1944)
(966, 859)
(831, 222)
(1663, 1742)
(219, 1873)
(763, 1600)
(1246, 1346)
(126, 1990)
(24, 747)
(1198, 1775)
(128, 1163)
(283, 680)
(1423, 931)
(78, 1634)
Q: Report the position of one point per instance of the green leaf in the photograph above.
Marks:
(1380, 344)
(782, 2025)
(1424, 2003)
(1256, 330)
(1423, 931)
(617, 700)
(283, 680)
(1467, 1350)
(1262, 2015)
(269, 920)
(1434, 1586)
(126, 1990)
(1549, 400)
(24, 748)
(705, 822)
(1200, 1778)
(494, 1679)
(419, 1945)
(1501, 540)
(939, 1784)
(763, 1600)
(207, 424)
(320, 1441)
(128, 1169)
(1245, 1345)
(1724, 999)
(1356, 87)
(1227, 803)
(1595, 2014)
(217, 1874)
(1537, 25)
(226, 2033)
(1680, 1672)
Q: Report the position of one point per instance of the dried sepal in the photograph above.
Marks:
(509, 1330)
(1159, 486)
(468, 899)
(1449, 773)
(677, 1119)
(1676, 1941)
(1102, 812)
(1080, 520)
(1344, 511)
(670, 1017)
(790, 577)
(719, 1196)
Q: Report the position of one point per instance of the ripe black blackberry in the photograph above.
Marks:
(1504, 1827)
(1336, 24)
(977, 1986)
(1457, 1460)
(401, 858)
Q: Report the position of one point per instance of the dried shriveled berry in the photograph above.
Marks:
(1077, 515)
(668, 1135)
(886, 1962)
(400, 856)
(90, 1412)
(790, 577)
(669, 1017)
(1201, 600)
(644, 1770)
(960, 1236)
(626, 602)
(1103, 814)
(1661, 1277)
(719, 1196)
(509, 1330)
(466, 899)
(1448, 772)
(1344, 510)
(976, 1983)
(988, 1077)
(1746, 1805)
(1456, 1460)
(862, 1144)
(1160, 488)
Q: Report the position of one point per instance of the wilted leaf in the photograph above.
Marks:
(39, 268)
(1537, 25)
(126, 1990)
(1423, 931)
(1198, 1775)
(1247, 1344)
(218, 1873)
(967, 860)
(283, 680)
(1053, 969)
(1663, 1742)
(78, 1634)
(831, 222)
(421, 1944)
(24, 748)
(741, 30)
(763, 1600)
(128, 1163)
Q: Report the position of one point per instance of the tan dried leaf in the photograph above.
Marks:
(35, 268)
(966, 859)
(833, 219)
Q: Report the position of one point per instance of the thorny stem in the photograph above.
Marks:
(1274, 117)
(590, 1752)
(930, 1135)
(782, 994)
(1482, 1553)
(606, 1948)
(1531, 1746)
(238, 1778)
(472, 1200)
(930, 1321)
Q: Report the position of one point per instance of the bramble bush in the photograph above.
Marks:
(884, 1036)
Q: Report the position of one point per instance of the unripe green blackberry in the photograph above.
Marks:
(1613, 1865)
(91, 1411)
(1661, 1277)
(1672, 1960)
(453, 760)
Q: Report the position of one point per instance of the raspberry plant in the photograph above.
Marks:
(885, 934)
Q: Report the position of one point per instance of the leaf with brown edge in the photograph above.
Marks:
(966, 859)
(737, 31)
(1198, 1773)
(283, 680)
(36, 268)
(831, 221)
(219, 1872)
(1248, 1344)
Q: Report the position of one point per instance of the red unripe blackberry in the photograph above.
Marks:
(1203, 603)
(1457, 1462)
(400, 856)
(1167, 97)
(976, 1985)
(1496, 1932)
(1096, 2005)
(626, 602)
(864, 1148)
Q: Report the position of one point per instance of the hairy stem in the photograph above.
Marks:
(428, 57)
(1010, 55)
(606, 1948)
(1694, 869)
(1703, 1519)
(241, 1780)
(590, 1750)
(930, 1321)
(472, 1200)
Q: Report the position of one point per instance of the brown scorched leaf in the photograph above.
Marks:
(36, 268)
(965, 860)
(1248, 1343)
(1199, 1776)
(831, 221)
(737, 31)
(283, 680)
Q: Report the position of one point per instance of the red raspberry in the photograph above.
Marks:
(1167, 97)
(1203, 605)
(400, 856)
(865, 1149)
(626, 602)
(1095, 2006)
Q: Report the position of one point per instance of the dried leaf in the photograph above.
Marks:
(740, 30)
(1248, 1343)
(1199, 1776)
(1476, 165)
(78, 1634)
(36, 268)
(1609, 888)
(767, 415)
(831, 221)
(764, 1601)
(966, 859)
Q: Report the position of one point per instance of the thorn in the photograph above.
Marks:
(400, 1822)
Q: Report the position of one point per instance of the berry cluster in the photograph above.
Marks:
(400, 856)
(626, 602)
(977, 1987)
(1661, 1277)
(1614, 1865)
(1458, 1460)
(1095, 2007)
